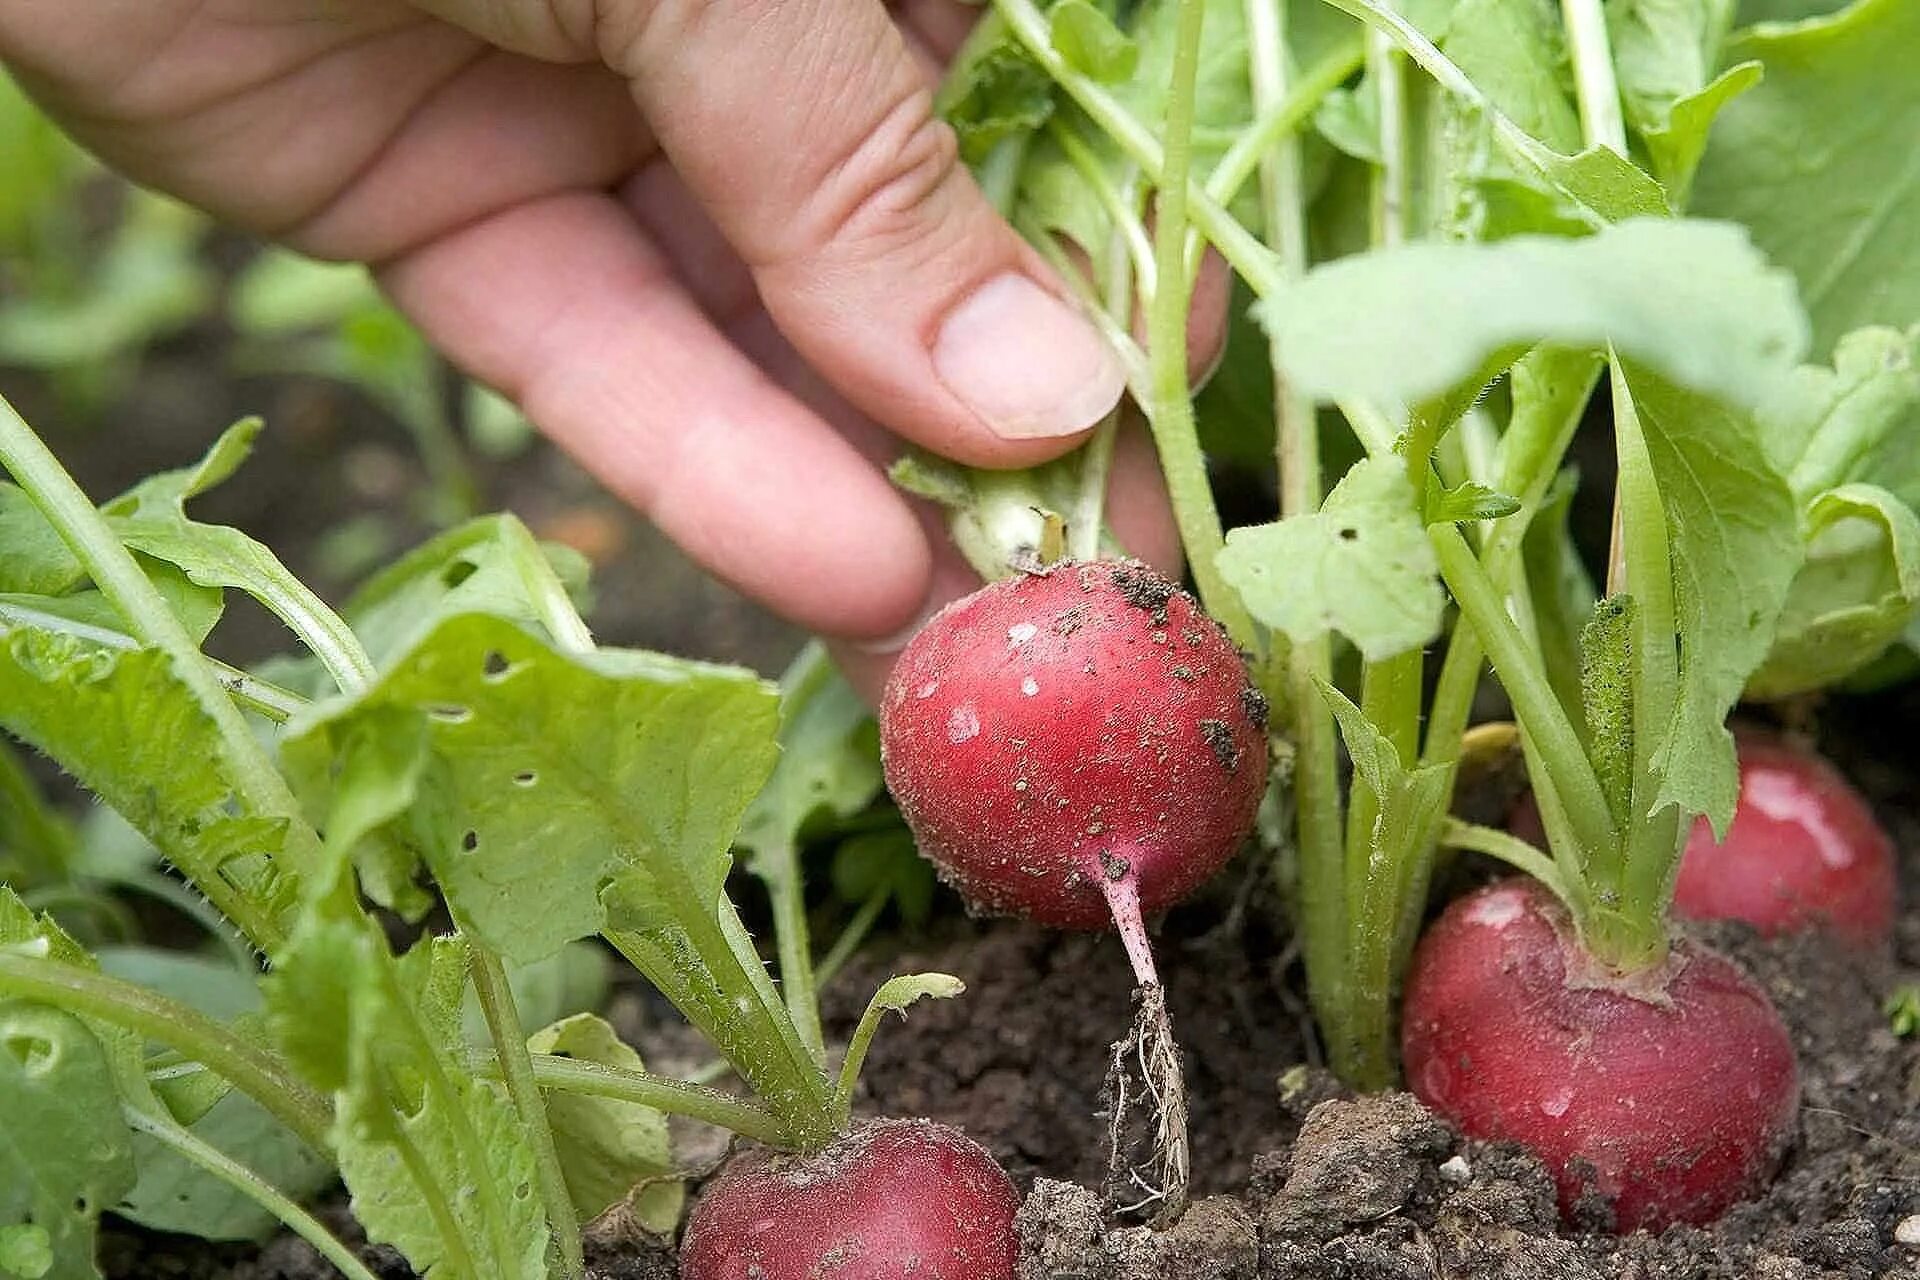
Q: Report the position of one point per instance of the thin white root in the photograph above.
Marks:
(1156, 1186)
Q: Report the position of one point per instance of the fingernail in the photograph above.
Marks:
(882, 646)
(1026, 362)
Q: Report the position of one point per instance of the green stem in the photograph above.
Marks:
(674, 1097)
(544, 588)
(510, 1043)
(114, 571)
(1085, 524)
(701, 976)
(250, 1184)
(1170, 407)
(1282, 110)
(1594, 81)
(1119, 202)
(1255, 263)
(252, 1070)
(1390, 185)
(793, 946)
(1518, 666)
(1510, 849)
(250, 691)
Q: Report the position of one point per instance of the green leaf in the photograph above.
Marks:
(1735, 546)
(549, 775)
(173, 1193)
(1848, 440)
(1819, 162)
(607, 1147)
(993, 91)
(38, 561)
(1857, 593)
(125, 725)
(829, 764)
(1407, 325)
(151, 518)
(1677, 143)
(1666, 55)
(1606, 698)
(282, 293)
(476, 567)
(1469, 500)
(1361, 566)
(885, 861)
(436, 1161)
(66, 1154)
(25, 1250)
(38, 845)
(1091, 44)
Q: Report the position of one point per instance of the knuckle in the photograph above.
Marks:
(878, 196)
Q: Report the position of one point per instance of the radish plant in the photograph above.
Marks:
(453, 736)
(1488, 244)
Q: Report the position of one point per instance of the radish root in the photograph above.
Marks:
(1145, 1069)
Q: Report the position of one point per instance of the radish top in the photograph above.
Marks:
(1055, 728)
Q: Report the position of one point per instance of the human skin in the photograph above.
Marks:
(721, 251)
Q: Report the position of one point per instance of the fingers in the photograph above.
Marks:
(806, 131)
(563, 305)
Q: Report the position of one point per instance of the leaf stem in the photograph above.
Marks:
(1170, 406)
(113, 570)
(675, 1097)
(255, 1072)
(1594, 81)
(1508, 848)
(1535, 705)
(851, 937)
(1096, 462)
(250, 1184)
(557, 614)
(510, 1043)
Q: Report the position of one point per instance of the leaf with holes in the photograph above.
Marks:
(546, 776)
(65, 1154)
(1361, 566)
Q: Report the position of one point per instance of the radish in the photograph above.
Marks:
(891, 1200)
(1666, 1095)
(1081, 746)
(1803, 851)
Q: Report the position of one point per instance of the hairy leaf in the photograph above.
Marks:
(1361, 566)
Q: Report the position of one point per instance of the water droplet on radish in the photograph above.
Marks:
(963, 724)
(927, 690)
(1021, 632)
(1029, 686)
(1557, 1103)
(1497, 910)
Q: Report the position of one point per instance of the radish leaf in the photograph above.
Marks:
(1361, 566)
(1820, 162)
(67, 1153)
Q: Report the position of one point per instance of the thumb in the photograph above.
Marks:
(806, 129)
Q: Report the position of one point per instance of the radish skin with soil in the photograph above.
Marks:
(1081, 746)
(1669, 1094)
(891, 1200)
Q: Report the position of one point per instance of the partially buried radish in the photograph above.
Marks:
(1081, 746)
(892, 1200)
(1664, 1096)
(1804, 851)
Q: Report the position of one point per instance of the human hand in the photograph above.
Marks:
(719, 250)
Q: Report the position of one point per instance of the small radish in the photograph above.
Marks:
(891, 1200)
(1668, 1094)
(1080, 746)
(1804, 850)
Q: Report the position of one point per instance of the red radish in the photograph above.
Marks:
(1076, 746)
(1804, 850)
(1060, 738)
(892, 1200)
(1670, 1094)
